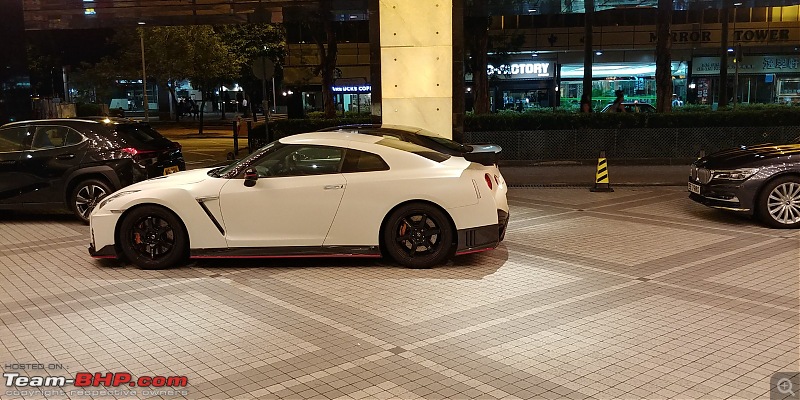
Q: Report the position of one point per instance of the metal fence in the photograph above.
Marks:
(663, 146)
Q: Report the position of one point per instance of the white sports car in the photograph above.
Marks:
(310, 195)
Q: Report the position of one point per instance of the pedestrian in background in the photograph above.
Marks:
(617, 106)
(586, 105)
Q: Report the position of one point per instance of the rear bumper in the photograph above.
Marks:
(482, 238)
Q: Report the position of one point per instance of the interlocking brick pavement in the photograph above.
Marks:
(634, 294)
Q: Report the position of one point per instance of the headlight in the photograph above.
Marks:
(115, 196)
(735, 174)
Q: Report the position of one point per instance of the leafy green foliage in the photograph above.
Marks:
(282, 128)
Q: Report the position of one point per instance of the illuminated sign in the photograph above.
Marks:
(522, 70)
(748, 65)
(352, 89)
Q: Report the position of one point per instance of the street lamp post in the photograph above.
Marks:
(144, 77)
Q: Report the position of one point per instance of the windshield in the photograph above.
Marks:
(238, 166)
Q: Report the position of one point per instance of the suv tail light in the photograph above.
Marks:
(138, 154)
(488, 180)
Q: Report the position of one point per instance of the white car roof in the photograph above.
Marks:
(337, 137)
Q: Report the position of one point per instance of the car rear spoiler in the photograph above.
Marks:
(484, 153)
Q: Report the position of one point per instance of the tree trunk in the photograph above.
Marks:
(664, 57)
(202, 107)
(480, 63)
(588, 51)
(724, 15)
(328, 61)
(171, 89)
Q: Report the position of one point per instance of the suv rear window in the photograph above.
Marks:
(138, 133)
(398, 144)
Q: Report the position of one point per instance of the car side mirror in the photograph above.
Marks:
(250, 177)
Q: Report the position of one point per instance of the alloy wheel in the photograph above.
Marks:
(418, 235)
(87, 198)
(152, 237)
(783, 203)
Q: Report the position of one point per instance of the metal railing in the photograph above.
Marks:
(658, 145)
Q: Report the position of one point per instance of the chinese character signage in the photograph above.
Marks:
(748, 65)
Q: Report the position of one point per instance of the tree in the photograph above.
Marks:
(476, 35)
(479, 43)
(213, 63)
(324, 36)
(664, 57)
(249, 42)
(169, 54)
(94, 83)
(588, 51)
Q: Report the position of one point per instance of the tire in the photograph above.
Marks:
(152, 237)
(418, 235)
(86, 195)
(779, 203)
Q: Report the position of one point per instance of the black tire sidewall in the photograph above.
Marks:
(179, 250)
(73, 196)
(763, 210)
(445, 236)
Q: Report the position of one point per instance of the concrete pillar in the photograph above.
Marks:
(416, 42)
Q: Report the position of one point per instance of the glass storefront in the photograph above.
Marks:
(765, 79)
(636, 80)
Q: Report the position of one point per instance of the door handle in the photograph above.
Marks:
(66, 156)
(333, 187)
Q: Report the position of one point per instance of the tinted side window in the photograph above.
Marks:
(48, 137)
(361, 161)
(13, 138)
(296, 160)
(137, 133)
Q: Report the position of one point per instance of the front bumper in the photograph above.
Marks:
(107, 251)
(731, 196)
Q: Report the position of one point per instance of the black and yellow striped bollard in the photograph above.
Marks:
(601, 181)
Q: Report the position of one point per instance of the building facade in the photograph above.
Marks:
(763, 47)
(546, 70)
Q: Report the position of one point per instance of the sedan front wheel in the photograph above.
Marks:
(779, 203)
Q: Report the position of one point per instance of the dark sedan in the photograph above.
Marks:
(76, 162)
(762, 180)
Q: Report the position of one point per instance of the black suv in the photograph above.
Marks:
(75, 162)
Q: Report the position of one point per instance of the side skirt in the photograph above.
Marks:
(288, 252)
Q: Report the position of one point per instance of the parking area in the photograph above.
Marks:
(639, 293)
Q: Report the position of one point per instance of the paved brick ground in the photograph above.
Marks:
(633, 294)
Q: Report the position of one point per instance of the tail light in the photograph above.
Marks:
(488, 180)
(129, 151)
(138, 154)
(497, 180)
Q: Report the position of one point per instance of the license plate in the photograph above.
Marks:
(171, 170)
(694, 188)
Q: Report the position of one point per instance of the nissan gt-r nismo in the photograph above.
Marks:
(310, 195)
